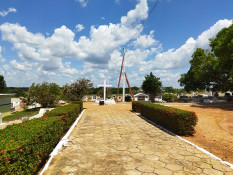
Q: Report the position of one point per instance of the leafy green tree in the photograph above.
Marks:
(212, 69)
(81, 88)
(169, 97)
(100, 92)
(169, 89)
(152, 85)
(2, 83)
(222, 47)
(45, 93)
(203, 73)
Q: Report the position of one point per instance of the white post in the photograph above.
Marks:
(0, 118)
(104, 90)
(123, 96)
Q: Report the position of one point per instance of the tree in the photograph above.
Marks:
(212, 69)
(169, 89)
(152, 85)
(203, 72)
(81, 87)
(45, 94)
(222, 47)
(100, 92)
(2, 83)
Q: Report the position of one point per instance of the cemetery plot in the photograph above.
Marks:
(214, 130)
(19, 115)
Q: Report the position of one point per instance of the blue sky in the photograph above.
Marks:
(61, 41)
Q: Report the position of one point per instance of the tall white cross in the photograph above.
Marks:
(104, 88)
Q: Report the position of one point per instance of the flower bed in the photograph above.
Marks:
(178, 121)
(25, 147)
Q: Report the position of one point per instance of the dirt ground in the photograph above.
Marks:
(214, 130)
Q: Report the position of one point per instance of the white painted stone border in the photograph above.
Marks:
(62, 142)
(192, 144)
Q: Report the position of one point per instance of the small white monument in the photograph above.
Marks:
(104, 85)
(107, 102)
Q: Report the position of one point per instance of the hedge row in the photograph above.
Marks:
(78, 102)
(178, 121)
(25, 147)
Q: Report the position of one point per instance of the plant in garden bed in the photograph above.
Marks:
(25, 147)
(178, 121)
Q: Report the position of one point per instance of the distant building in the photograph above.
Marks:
(141, 97)
(5, 102)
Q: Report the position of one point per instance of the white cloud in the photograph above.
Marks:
(47, 57)
(82, 2)
(5, 13)
(79, 27)
(145, 41)
(179, 58)
(103, 18)
(25, 66)
(1, 57)
(96, 49)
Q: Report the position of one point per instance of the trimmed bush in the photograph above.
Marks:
(170, 97)
(25, 147)
(78, 102)
(128, 98)
(178, 121)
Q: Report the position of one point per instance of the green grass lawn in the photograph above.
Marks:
(19, 115)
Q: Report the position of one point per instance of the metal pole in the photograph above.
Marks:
(123, 100)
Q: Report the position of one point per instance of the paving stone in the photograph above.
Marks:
(145, 168)
(112, 140)
(133, 172)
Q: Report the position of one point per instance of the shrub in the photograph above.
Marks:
(25, 147)
(170, 97)
(178, 121)
(128, 98)
(78, 102)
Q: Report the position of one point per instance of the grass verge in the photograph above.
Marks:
(19, 115)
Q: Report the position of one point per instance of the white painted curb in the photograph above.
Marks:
(192, 144)
(62, 142)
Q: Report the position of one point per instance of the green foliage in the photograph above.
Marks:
(203, 73)
(113, 90)
(25, 147)
(100, 92)
(222, 46)
(212, 70)
(45, 94)
(128, 98)
(18, 91)
(77, 90)
(80, 104)
(2, 83)
(169, 89)
(170, 97)
(152, 85)
(178, 121)
(19, 115)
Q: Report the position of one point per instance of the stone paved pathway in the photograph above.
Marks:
(113, 140)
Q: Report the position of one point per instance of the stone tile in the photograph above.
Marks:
(113, 140)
